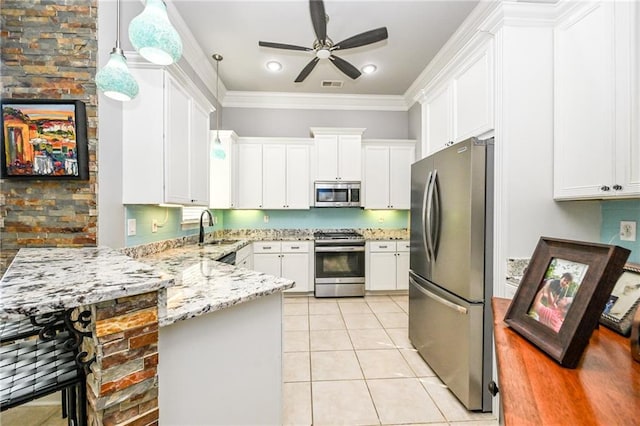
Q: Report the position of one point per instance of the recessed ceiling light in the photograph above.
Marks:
(368, 69)
(274, 66)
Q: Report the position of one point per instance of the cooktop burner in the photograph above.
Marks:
(338, 235)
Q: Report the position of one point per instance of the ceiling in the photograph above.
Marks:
(417, 30)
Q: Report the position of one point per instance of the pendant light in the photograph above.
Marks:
(153, 36)
(218, 149)
(114, 79)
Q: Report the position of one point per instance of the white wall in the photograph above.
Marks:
(525, 148)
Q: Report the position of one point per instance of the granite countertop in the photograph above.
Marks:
(43, 280)
(204, 285)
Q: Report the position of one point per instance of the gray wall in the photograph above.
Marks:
(296, 123)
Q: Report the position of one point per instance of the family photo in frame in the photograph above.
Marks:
(562, 295)
(624, 300)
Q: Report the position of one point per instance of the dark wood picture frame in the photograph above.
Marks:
(44, 139)
(599, 267)
(623, 301)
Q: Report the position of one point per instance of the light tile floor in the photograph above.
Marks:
(348, 361)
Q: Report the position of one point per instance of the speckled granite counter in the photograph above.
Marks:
(204, 285)
(42, 280)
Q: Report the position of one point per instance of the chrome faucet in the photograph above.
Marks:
(201, 236)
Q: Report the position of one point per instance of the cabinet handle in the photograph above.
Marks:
(617, 187)
(295, 247)
(604, 188)
(383, 246)
(267, 247)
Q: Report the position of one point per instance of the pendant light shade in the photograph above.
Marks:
(114, 79)
(153, 36)
(218, 149)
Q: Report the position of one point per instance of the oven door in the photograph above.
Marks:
(339, 264)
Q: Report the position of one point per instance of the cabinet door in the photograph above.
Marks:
(295, 266)
(382, 268)
(199, 155)
(269, 263)
(584, 103)
(177, 109)
(249, 176)
(221, 172)
(298, 177)
(436, 120)
(473, 95)
(402, 270)
(326, 147)
(274, 176)
(400, 160)
(376, 177)
(349, 157)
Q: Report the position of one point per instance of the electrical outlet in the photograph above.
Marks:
(266, 218)
(131, 227)
(154, 225)
(380, 219)
(627, 230)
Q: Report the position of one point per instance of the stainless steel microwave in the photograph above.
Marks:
(336, 194)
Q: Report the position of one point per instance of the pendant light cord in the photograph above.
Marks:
(218, 101)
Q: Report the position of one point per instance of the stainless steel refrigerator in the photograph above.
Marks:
(451, 280)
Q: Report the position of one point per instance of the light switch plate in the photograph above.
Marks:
(131, 227)
(627, 230)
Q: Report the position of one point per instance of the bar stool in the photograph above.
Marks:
(41, 355)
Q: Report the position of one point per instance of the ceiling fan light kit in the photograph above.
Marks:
(114, 79)
(323, 46)
(153, 36)
(274, 66)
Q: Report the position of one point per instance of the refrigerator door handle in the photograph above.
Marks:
(448, 304)
(436, 229)
(425, 217)
(430, 215)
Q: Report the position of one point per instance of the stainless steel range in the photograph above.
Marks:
(339, 263)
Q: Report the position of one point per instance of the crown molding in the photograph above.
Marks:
(287, 100)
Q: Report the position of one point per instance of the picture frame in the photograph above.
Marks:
(44, 139)
(623, 301)
(562, 295)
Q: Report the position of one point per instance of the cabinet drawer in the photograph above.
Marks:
(295, 247)
(382, 246)
(403, 245)
(266, 247)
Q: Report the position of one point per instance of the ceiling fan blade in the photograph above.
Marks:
(307, 70)
(363, 39)
(345, 67)
(283, 46)
(319, 19)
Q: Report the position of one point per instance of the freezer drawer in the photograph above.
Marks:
(448, 334)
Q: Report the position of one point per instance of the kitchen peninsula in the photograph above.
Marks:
(162, 346)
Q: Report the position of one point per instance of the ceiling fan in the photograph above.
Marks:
(323, 46)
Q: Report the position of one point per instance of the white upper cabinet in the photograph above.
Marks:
(273, 173)
(222, 182)
(460, 103)
(387, 174)
(249, 175)
(165, 139)
(596, 142)
(285, 183)
(338, 154)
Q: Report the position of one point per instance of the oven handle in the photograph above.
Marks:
(338, 249)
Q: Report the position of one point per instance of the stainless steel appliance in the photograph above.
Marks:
(336, 194)
(339, 259)
(450, 278)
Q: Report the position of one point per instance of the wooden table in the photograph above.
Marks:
(603, 390)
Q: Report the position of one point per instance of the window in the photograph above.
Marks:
(191, 214)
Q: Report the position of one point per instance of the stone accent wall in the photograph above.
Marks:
(48, 51)
(123, 386)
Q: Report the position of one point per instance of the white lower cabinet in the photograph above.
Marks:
(286, 259)
(387, 265)
(244, 258)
